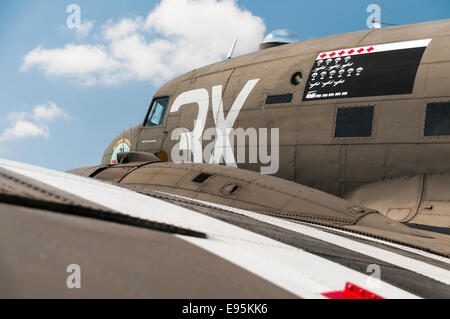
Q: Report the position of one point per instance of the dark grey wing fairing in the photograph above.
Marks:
(125, 257)
(43, 230)
(270, 196)
(118, 261)
(18, 190)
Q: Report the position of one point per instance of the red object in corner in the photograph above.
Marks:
(351, 291)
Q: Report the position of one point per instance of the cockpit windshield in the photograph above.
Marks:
(157, 110)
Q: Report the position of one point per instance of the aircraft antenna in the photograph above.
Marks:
(376, 24)
(233, 46)
(390, 24)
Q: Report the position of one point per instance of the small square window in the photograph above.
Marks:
(157, 111)
(437, 121)
(279, 99)
(354, 122)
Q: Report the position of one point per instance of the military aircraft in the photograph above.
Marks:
(364, 116)
(314, 168)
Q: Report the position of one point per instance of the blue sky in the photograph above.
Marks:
(74, 109)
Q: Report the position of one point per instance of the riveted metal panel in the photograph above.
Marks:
(365, 163)
(315, 124)
(399, 121)
(319, 167)
(438, 80)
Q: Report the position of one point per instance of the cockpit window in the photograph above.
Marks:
(157, 111)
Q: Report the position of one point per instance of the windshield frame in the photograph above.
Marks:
(149, 110)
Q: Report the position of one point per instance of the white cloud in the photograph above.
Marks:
(32, 124)
(84, 29)
(124, 27)
(21, 129)
(85, 62)
(175, 37)
(49, 113)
